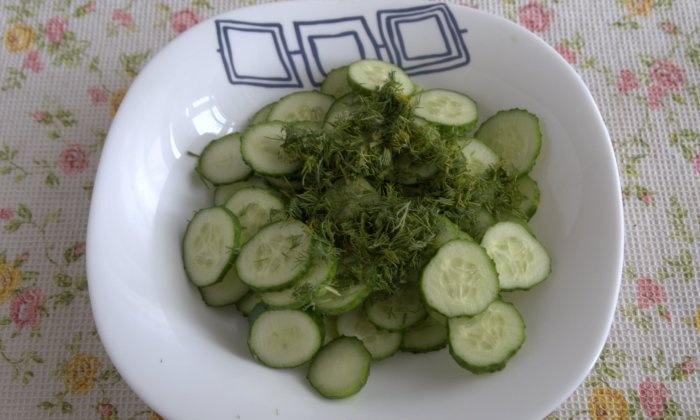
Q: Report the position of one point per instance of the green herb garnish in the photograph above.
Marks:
(378, 182)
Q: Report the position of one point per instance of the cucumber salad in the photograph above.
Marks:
(369, 217)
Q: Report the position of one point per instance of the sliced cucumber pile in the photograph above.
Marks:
(367, 218)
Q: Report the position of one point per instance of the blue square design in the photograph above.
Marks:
(423, 39)
(320, 40)
(242, 62)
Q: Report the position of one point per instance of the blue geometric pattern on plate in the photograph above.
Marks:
(404, 32)
(399, 37)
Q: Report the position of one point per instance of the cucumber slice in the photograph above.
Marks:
(409, 170)
(261, 149)
(255, 207)
(460, 279)
(481, 222)
(308, 105)
(285, 183)
(447, 109)
(209, 245)
(348, 197)
(221, 163)
(531, 195)
(284, 338)
(380, 343)
(336, 82)
(485, 342)
(448, 231)
(515, 136)
(276, 257)
(331, 328)
(479, 157)
(397, 311)
(341, 109)
(322, 270)
(428, 335)
(521, 260)
(437, 316)
(340, 369)
(336, 301)
(226, 292)
(247, 303)
(223, 192)
(371, 74)
(262, 114)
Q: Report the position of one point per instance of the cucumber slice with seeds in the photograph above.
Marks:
(225, 292)
(322, 270)
(484, 343)
(255, 207)
(261, 149)
(262, 114)
(336, 301)
(221, 162)
(223, 192)
(248, 302)
(428, 335)
(308, 105)
(521, 260)
(209, 245)
(336, 82)
(380, 343)
(340, 369)
(396, 312)
(371, 74)
(531, 195)
(276, 257)
(460, 279)
(446, 108)
(284, 338)
(479, 157)
(341, 109)
(515, 136)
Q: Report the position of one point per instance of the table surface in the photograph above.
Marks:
(65, 65)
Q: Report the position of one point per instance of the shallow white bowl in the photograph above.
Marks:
(188, 361)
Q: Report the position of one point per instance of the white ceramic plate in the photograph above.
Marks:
(188, 361)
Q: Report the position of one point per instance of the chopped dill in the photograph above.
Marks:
(376, 183)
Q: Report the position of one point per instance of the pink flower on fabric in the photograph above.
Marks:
(688, 365)
(667, 75)
(97, 95)
(669, 27)
(652, 398)
(646, 198)
(32, 62)
(649, 293)
(6, 213)
(123, 17)
(182, 20)
(566, 52)
(534, 16)
(106, 411)
(24, 308)
(627, 81)
(54, 30)
(696, 162)
(655, 96)
(73, 159)
(78, 250)
(40, 116)
(89, 7)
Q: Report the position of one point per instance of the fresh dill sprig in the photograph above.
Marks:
(375, 183)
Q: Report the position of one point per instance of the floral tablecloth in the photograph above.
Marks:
(66, 64)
